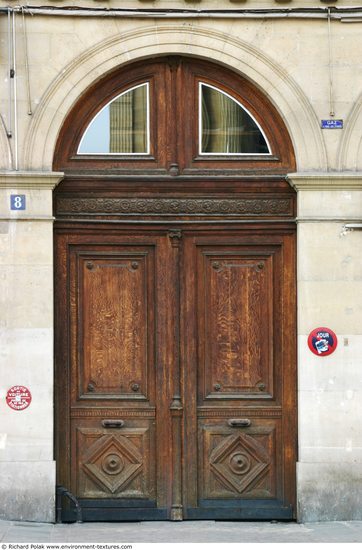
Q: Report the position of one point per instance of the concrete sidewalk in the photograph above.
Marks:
(183, 532)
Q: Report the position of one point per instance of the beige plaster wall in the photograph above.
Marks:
(329, 388)
(288, 59)
(26, 347)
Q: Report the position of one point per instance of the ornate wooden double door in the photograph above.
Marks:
(179, 401)
(175, 299)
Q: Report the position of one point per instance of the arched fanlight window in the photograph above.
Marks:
(226, 127)
(121, 127)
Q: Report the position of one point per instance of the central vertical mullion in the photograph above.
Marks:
(176, 408)
(169, 403)
(164, 365)
(173, 128)
(189, 339)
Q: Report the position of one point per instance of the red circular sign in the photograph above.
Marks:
(18, 398)
(322, 341)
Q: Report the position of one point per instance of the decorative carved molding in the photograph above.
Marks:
(176, 406)
(227, 413)
(171, 206)
(96, 413)
(174, 169)
(175, 235)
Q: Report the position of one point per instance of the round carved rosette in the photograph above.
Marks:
(112, 464)
(239, 463)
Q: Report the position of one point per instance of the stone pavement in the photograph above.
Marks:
(183, 532)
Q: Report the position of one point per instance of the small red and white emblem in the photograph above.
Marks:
(18, 398)
(322, 341)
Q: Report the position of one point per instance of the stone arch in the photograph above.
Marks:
(350, 152)
(5, 149)
(163, 39)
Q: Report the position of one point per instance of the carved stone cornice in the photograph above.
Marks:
(329, 181)
(242, 207)
(30, 180)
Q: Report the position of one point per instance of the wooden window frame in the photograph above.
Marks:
(174, 88)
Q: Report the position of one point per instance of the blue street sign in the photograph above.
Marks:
(332, 124)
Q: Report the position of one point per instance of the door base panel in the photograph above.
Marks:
(100, 512)
(147, 514)
(251, 511)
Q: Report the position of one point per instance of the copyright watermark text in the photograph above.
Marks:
(64, 546)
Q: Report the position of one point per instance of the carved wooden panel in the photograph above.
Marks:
(115, 463)
(259, 207)
(116, 304)
(115, 323)
(236, 320)
(239, 462)
(214, 308)
(238, 323)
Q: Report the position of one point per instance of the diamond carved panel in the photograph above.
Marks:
(238, 462)
(114, 463)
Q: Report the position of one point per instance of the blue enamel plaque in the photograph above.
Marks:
(17, 202)
(332, 124)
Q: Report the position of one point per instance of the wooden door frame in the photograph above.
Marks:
(167, 190)
(173, 96)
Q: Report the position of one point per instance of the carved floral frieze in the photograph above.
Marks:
(176, 206)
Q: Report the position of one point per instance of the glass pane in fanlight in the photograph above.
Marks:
(121, 127)
(227, 127)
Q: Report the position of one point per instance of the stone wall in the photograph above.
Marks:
(330, 388)
(27, 472)
(288, 59)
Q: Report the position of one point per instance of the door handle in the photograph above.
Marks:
(239, 422)
(112, 423)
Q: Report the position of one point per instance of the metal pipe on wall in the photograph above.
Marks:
(9, 131)
(15, 94)
(343, 14)
(330, 67)
(25, 38)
